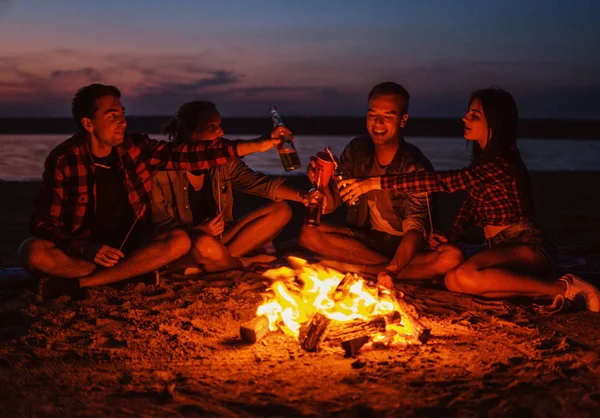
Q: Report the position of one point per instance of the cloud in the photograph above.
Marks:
(43, 84)
(215, 78)
(90, 73)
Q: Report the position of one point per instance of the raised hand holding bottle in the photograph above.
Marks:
(287, 149)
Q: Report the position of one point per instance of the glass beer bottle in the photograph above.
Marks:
(316, 200)
(287, 149)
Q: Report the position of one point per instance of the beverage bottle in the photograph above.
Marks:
(287, 149)
(316, 200)
(339, 175)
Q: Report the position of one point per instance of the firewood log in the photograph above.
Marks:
(343, 287)
(314, 333)
(419, 330)
(339, 332)
(252, 331)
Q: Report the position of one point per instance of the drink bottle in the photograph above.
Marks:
(339, 175)
(316, 200)
(287, 149)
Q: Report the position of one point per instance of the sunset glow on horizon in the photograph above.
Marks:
(310, 57)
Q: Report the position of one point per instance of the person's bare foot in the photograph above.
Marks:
(257, 260)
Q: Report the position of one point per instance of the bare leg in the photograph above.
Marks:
(338, 243)
(428, 265)
(425, 265)
(165, 248)
(257, 228)
(503, 272)
(212, 255)
(44, 257)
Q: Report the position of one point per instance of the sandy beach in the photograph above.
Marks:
(174, 349)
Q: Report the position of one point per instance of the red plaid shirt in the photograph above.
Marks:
(498, 192)
(68, 190)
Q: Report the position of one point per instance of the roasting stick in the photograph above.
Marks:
(219, 197)
(429, 212)
(137, 217)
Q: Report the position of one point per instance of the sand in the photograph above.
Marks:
(174, 349)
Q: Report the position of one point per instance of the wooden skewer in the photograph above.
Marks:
(137, 216)
(219, 196)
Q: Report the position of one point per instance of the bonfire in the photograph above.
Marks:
(321, 306)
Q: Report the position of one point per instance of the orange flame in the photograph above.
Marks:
(299, 292)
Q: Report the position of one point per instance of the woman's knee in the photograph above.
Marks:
(450, 281)
(468, 279)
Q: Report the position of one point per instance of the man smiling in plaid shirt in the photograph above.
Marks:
(90, 211)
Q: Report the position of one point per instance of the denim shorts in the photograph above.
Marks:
(526, 232)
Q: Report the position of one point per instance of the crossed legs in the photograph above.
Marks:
(344, 251)
(43, 257)
(250, 232)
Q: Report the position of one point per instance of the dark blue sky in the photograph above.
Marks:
(308, 57)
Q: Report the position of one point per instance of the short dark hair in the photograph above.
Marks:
(393, 89)
(84, 101)
(190, 117)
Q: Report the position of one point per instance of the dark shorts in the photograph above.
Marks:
(381, 242)
(526, 232)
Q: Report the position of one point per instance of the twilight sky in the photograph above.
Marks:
(309, 57)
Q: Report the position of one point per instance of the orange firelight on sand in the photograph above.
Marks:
(300, 292)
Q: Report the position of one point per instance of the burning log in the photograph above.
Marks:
(311, 336)
(419, 330)
(343, 287)
(252, 331)
(354, 334)
(339, 332)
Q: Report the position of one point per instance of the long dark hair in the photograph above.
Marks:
(190, 117)
(501, 115)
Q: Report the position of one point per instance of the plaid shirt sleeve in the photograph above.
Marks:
(466, 214)
(47, 219)
(417, 211)
(198, 155)
(448, 181)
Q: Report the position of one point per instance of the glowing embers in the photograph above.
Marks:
(318, 306)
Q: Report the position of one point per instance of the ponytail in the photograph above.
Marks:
(170, 129)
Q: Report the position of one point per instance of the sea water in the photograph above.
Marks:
(22, 156)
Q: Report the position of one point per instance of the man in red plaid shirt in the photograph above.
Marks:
(90, 212)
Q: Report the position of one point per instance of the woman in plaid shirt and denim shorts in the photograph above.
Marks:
(518, 260)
